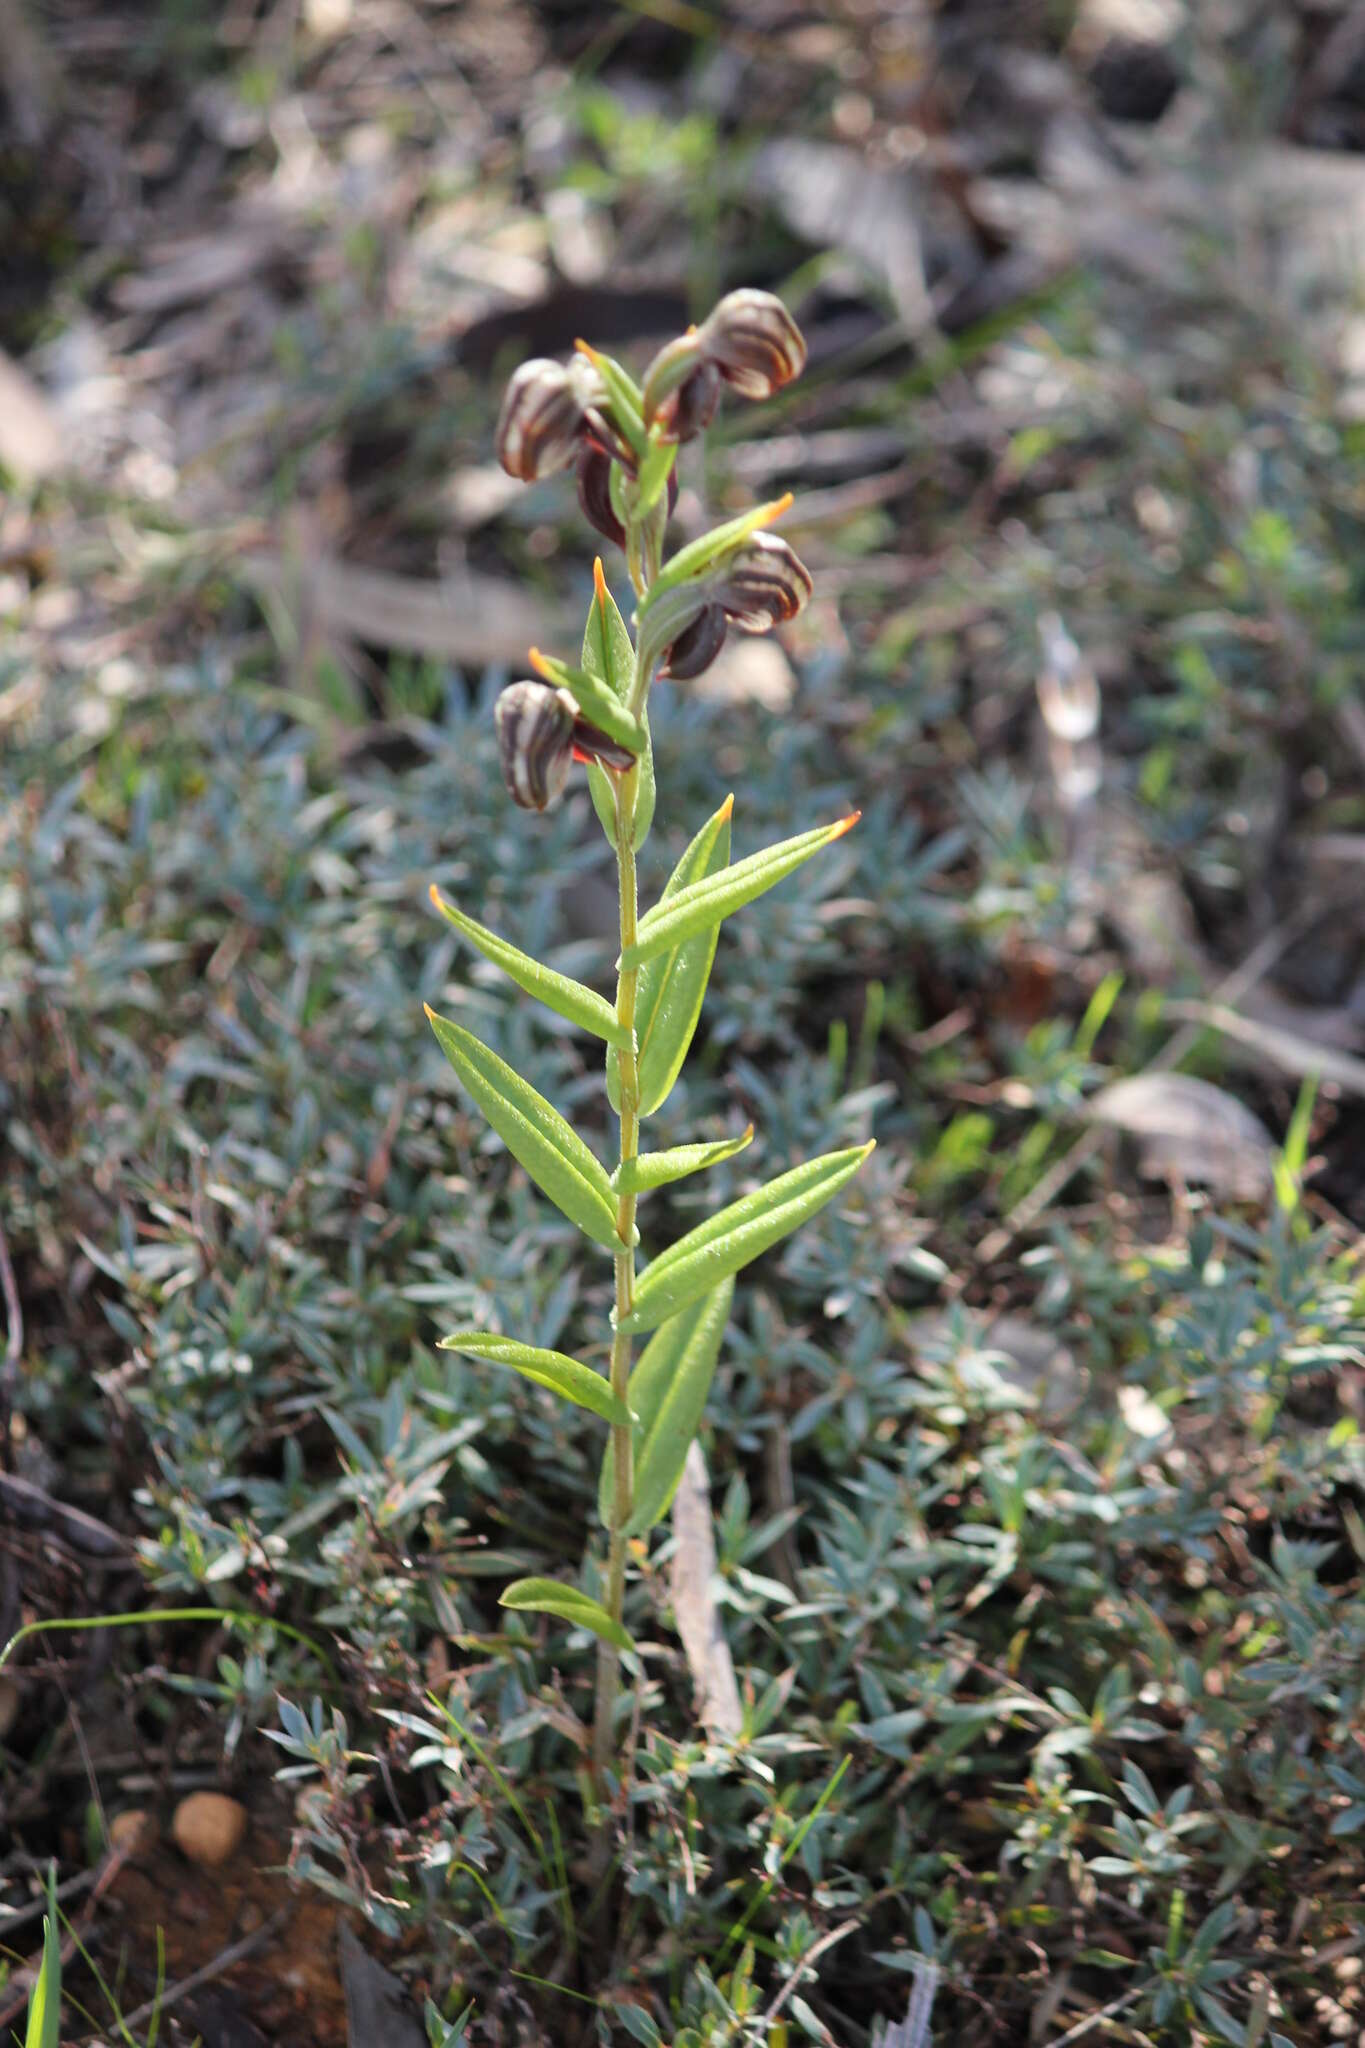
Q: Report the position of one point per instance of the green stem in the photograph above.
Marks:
(608, 1658)
(644, 550)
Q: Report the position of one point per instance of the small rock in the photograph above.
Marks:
(207, 1827)
(131, 1829)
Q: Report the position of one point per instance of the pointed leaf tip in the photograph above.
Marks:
(727, 807)
(845, 825)
(777, 508)
(599, 582)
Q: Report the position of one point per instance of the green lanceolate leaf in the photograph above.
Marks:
(737, 1234)
(656, 1169)
(563, 1375)
(668, 1391)
(567, 998)
(673, 982)
(607, 652)
(703, 904)
(551, 1596)
(595, 699)
(534, 1133)
(711, 548)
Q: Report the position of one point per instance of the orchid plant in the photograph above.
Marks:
(623, 439)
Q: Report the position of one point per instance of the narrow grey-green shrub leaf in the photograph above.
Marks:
(566, 997)
(657, 1169)
(667, 1395)
(534, 1133)
(737, 1234)
(565, 1376)
(551, 1596)
(704, 903)
(672, 983)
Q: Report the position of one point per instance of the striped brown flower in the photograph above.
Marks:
(754, 343)
(535, 740)
(550, 412)
(764, 584)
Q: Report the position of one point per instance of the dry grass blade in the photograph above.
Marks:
(465, 618)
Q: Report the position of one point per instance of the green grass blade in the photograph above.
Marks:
(566, 997)
(672, 983)
(737, 1234)
(534, 1133)
(657, 1169)
(45, 1999)
(565, 1376)
(704, 903)
(668, 1391)
(552, 1596)
(595, 698)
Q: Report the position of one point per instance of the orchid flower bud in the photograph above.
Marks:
(753, 342)
(536, 742)
(764, 584)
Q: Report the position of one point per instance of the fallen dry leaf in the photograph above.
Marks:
(1188, 1130)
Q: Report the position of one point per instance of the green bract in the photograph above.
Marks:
(607, 652)
(683, 609)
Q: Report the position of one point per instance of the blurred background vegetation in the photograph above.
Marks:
(1037, 1467)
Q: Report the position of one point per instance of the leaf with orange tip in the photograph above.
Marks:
(702, 904)
(712, 548)
(594, 697)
